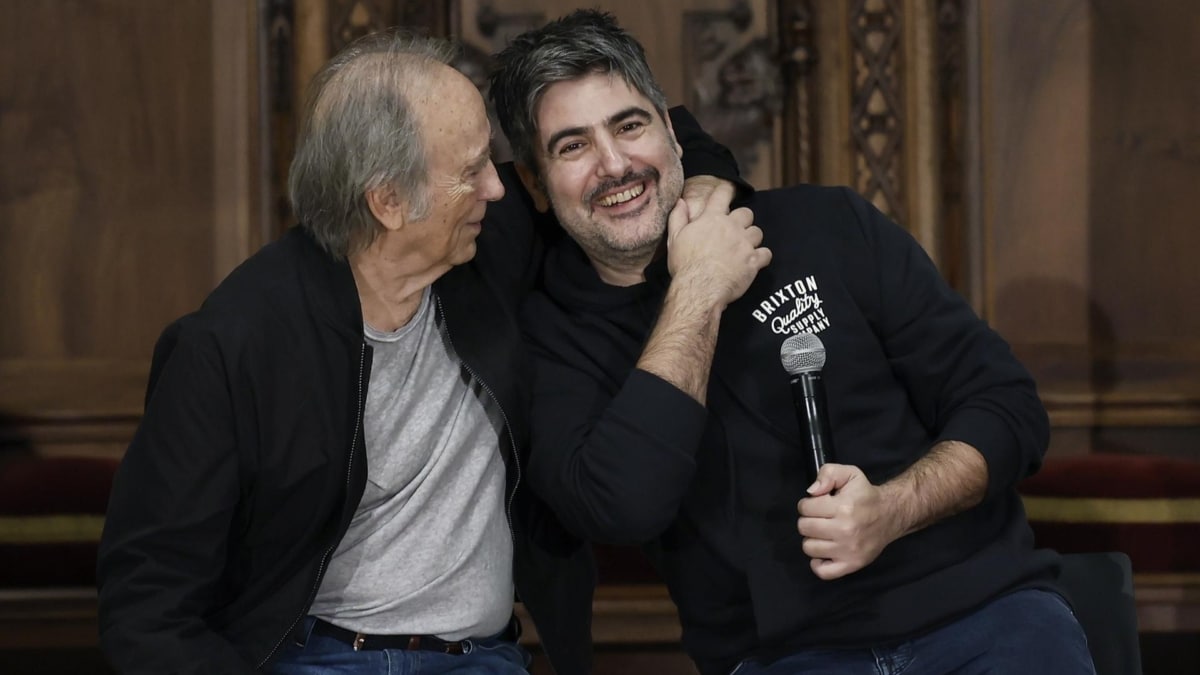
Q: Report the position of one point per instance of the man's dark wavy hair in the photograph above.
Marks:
(581, 43)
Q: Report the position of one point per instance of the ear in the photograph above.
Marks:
(387, 207)
(534, 186)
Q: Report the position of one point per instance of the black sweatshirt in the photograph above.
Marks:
(625, 457)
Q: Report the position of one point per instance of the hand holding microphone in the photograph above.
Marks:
(803, 357)
(845, 521)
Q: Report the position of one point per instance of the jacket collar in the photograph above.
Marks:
(327, 282)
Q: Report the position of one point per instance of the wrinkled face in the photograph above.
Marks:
(462, 178)
(610, 167)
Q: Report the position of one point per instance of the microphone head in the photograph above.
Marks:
(803, 353)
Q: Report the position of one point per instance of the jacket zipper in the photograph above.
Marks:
(362, 359)
(504, 416)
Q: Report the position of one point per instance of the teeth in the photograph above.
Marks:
(622, 197)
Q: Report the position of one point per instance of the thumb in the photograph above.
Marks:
(830, 478)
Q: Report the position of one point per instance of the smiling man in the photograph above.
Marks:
(617, 219)
(662, 416)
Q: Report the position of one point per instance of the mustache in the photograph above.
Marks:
(649, 173)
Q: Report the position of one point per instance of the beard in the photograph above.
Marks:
(630, 239)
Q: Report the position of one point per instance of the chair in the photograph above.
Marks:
(1100, 587)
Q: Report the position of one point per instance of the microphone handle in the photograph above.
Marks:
(808, 393)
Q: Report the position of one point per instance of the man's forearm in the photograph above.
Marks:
(950, 478)
(681, 346)
(712, 259)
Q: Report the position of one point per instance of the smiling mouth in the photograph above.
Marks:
(622, 197)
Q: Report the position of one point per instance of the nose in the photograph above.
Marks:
(613, 161)
(491, 188)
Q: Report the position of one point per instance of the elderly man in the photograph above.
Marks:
(662, 415)
(328, 475)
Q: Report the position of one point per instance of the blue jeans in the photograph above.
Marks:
(1029, 632)
(322, 655)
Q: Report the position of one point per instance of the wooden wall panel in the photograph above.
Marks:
(128, 160)
(1090, 161)
(1145, 158)
(1036, 219)
(888, 83)
(98, 140)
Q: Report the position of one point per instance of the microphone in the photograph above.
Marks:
(803, 356)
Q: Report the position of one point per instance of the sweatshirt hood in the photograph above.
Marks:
(570, 279)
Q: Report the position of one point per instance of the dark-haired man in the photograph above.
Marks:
(662, 415)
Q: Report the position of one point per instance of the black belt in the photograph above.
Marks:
(360, 641)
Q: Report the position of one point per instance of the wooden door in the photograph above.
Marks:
(1090, 168)
(128, 178)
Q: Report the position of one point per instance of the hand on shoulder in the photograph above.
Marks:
(715, 253)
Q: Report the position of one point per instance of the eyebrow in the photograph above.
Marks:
(485, 155)
(621, 116)
(481, 160)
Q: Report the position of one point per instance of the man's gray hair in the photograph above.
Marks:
(581, 43)
(360, 133)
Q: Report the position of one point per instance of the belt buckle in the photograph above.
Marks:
(359, 639)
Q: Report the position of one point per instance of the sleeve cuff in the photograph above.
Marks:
(992, 437)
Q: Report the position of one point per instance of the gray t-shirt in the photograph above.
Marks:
(429, 549)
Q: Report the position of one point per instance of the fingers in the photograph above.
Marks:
(817, 507)
(832, 477)
(846, 524)
(718, 200)
(828, 570)
(677, 219)
(742, 216)
(697, 189)
(816, 547)
(828, 561)
(832, 554)
(762, 257)
(718, 251)
(818, 527)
